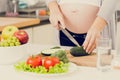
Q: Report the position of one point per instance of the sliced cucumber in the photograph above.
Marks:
(48, 52)
(56, 47)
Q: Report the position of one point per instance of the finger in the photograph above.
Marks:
(58, 27)
(91, 42)
(62, 22)
(92, 48)
(85, 44)
(51, 21)
(54, 22)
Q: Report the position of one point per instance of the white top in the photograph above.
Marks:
(106, 10)
(92, 2)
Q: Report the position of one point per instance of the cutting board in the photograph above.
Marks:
(18, 22)
(89, 60)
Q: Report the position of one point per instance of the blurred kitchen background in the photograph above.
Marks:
(25, 8)
(30, 9)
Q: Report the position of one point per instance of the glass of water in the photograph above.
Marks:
(104, 56)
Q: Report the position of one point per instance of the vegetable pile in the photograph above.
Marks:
(56, 63)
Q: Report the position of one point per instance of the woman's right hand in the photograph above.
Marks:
(56, 16)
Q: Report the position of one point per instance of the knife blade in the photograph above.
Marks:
(70, 37)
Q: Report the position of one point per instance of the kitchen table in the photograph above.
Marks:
(7, 72)
(83, 73)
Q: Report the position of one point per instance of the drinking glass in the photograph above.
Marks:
(104, 56)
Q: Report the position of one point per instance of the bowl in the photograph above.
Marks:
(10, 55)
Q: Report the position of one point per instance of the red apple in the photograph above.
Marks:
(22, 36)
(0, 38)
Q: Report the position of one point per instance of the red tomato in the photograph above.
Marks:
(34, 61)
(55, 60)
(48, 62)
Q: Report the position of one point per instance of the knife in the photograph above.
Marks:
(69, 36)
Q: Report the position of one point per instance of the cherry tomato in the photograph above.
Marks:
(48, 62)
(55, 60)
(34, 61)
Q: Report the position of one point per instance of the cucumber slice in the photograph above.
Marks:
(48, 52)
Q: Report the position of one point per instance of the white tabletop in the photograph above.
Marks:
(7, 72)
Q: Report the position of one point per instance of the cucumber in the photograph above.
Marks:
(78, 51)
(48, 52)
(56, 47)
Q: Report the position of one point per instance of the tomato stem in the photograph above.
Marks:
(33, 56)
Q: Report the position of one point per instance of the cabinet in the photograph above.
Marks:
(44, 34)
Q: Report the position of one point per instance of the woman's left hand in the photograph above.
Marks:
(90, 40)
(93, 34)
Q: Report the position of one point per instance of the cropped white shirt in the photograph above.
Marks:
(92, 2)
(107, 7)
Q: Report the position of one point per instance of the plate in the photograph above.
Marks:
(72, 68)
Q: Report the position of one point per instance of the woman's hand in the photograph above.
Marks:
(93, 34)
(56, 16)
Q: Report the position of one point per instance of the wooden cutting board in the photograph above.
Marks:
(89, 60)
(18, 22)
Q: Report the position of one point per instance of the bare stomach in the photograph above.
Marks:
(79, 17)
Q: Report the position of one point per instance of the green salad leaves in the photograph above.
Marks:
(58, 68)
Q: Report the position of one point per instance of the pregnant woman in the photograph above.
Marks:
(84, 19)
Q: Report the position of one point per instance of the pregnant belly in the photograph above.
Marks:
(79, 17)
